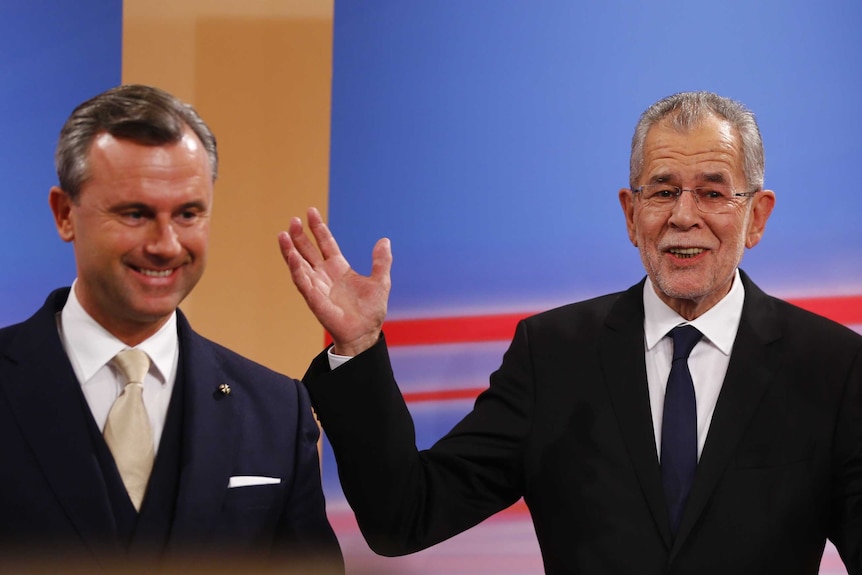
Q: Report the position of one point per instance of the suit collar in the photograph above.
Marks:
(752, 365)
(208, 440)
(622, 358)
(90, 346)
(48, 405)
(718, 324)
(42, 390)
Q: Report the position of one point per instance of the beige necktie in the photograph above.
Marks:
(127, 431)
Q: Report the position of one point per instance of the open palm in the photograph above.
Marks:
(350, 306)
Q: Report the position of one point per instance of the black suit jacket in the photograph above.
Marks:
(566, 424)
(53, 494)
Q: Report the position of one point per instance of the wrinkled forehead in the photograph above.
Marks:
(709, 146)
(697, 124)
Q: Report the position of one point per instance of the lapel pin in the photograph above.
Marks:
(224, 389)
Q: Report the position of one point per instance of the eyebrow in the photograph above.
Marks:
(715, 177)
(712, 177)
(195, 205)
(130, 206)
(661, 178)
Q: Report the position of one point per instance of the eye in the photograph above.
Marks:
(664, 192)
(189, 215)
(712, 194)
(133, 215)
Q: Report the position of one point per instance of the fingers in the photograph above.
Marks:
(295, 260)
(285, 245)
(350, 306)
(303, 257)
(300, 270)
(324, 238)
(301, 242)
(326, 248)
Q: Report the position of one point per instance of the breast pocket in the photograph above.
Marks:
(252, 497)
(250, 514)
(776, 454)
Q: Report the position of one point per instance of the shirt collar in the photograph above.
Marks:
(90, 346)
(719, 324)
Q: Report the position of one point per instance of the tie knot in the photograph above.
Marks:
(684, 339)
(133, 363)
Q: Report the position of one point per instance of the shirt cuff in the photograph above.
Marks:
(336, 360)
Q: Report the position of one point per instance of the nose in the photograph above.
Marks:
(685, 211)
(164, 241)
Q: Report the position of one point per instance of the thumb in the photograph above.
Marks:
(381, 261)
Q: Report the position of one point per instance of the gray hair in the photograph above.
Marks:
(142, 114)
(686, 110)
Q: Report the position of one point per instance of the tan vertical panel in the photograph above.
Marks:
(259, 72)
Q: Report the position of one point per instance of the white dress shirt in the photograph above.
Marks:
(708, 360)
(91, 347)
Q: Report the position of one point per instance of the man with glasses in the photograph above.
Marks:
(690, 424)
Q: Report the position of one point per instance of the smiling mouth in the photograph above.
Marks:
(155, 273)
(686, 252)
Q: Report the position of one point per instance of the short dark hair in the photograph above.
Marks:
(142, 114)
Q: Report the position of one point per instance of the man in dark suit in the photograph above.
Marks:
(212, 458)
(739, 452)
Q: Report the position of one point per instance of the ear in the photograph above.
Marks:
(627, 202)
(61, 207)
(763, 202)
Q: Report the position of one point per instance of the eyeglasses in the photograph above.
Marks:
(715, 199)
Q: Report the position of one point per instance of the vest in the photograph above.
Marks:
(146, 533)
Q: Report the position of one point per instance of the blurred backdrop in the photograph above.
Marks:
(487, 139)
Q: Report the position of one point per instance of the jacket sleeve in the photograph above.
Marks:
(846, 528)
(404, 499)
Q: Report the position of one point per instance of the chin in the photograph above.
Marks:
(157, 312)
(682, 289)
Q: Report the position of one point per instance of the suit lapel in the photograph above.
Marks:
(208, 444)
(752, 366)
(47, 402)
(622, 358)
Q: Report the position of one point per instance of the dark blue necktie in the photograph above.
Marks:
(679, 426)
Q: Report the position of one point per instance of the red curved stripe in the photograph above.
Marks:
(479, 328)
(501, 327)
(442, 394)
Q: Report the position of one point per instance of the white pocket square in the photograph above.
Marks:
(249, 480)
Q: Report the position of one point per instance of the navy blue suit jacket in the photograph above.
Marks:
(53, 493)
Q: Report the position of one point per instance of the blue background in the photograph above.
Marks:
(53, 55)
(488, 140)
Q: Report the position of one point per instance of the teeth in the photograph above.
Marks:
(686, 252)
(156, 273)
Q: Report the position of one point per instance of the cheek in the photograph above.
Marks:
(196, 241)
(732, 233)
(646, 226)
(104, 240)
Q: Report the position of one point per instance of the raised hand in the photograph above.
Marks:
(350, 306)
